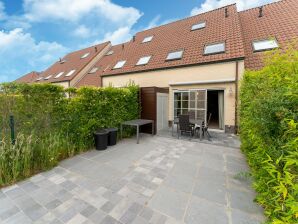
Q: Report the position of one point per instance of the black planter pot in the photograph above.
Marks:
(101, 139)
(112, 136)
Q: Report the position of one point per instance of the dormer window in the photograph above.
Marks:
(214, 48)
(110, 52)
(93, 70)
(147, 39)
(48, 77)
(85, 55)
(175, 55)
(143, 60)
(119, 64)
(59, 75)
(264, 45)
(198, 26)
(70, 73)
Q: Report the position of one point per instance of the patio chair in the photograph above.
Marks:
(205, 127)
(185, 126)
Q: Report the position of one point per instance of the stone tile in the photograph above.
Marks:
(146, 213)
(97, 216)
(53, 204)
(47, 218)
(35, 212)
(203, 211)
(128, 217)
(15, 192)
(120, 208)
(135, 208)
(210, 174)
(243, 201)
(18, 218)
(109, 220)
(88, 211)
(107, 207)
(8, 213)
(181, 183)
(170, 202)
(211, 191)
(240, 217)
(77, 219)
(139, 220)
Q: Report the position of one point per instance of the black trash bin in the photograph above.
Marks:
(101, 139)
(112, 136)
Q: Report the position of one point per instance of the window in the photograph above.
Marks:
(48, 77)
(143, 60)
(119, 64)
(214, 48)
(110, 52)
(263, 45)
(59, 75)
(85, 55)
(70, 73)
(147, 39)
(198, 26)
(175, 55)
(93, 70)
(38, 79)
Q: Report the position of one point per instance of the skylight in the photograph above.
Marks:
(143, 60)
(59, 75)
(110, 52)
(214, 48)
(38, 79)
(198, 26)
(147, 39)
(263, 45)
(93, 70)
(119, 64)
(175, 55)
(85, 55)
(48, 77)
(70, 73)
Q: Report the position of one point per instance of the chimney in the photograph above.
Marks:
(226, 12)
(261, 11)
(133, 38)
(122, 46)
(95, 49)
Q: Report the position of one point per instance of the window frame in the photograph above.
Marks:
(151, 38)
(70, 73)
(85, 55)
(176, 51)
(124, 62)
(215, 43)
(200, 28)
(92, 72)
(267, 49)
(110, 52)
(58, 75)
(149, 58)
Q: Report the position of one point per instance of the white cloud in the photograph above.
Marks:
(241, 5)
(82, 31)
(120, 35)
(20, 53)
(2, 11)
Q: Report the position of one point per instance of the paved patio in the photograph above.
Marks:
(161, 180)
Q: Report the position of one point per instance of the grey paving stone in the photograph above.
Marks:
(128, 217)
(97, 216)
(236, 167)
(109, 220)
(15, 193)
(211, 191)
(203, 211)
(18, 218)
(108, 206)
(135, 208)
(240, 217)
(53, 204)
(210, 174)
(146, 213)
(170, 202)
(139, 220)
(28, 186)
(68, 185)
(88, 211)
(181, 183)
(35, 212)
(8, 213)
(56, 221)
(243, 200)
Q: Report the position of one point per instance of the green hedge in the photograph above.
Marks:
(269, 134)
(50, 126)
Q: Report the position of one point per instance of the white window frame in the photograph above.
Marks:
(40, 78)
(147, 39)
(144, 60)
(212, 45)
(268, 48)
(48, 77)
(110, 53)
(71, 72)
(85, 55)
(198, 26)
(170, 55)
(119, 64)
(59, 75)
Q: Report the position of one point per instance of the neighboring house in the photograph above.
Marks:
(28, 78)
(191, 65)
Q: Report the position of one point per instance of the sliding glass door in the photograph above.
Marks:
(192, 102)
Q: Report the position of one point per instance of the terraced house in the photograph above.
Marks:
(194, 64)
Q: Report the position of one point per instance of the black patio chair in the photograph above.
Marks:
(205, 127)
(185, 126)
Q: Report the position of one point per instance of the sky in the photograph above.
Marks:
(36, 33)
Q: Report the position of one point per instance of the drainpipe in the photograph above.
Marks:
(236, 97)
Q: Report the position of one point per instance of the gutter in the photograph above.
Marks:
(202, 82)
(236, 96)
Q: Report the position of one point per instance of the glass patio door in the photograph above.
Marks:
(191, 102)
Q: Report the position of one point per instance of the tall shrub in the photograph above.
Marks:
(269, 134)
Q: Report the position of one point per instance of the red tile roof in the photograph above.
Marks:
(73, 61)
(176, 36)
(279, 20)
(28, 78)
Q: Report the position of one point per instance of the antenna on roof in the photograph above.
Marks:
(261, 11)
(226, 12)
(95, 49)
(122, 46)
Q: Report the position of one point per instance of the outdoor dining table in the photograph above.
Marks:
(196, 122)
(137, 123)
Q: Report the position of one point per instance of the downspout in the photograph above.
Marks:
(236, 97)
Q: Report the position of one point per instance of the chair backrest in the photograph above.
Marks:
(184, 123)
(192, 114)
